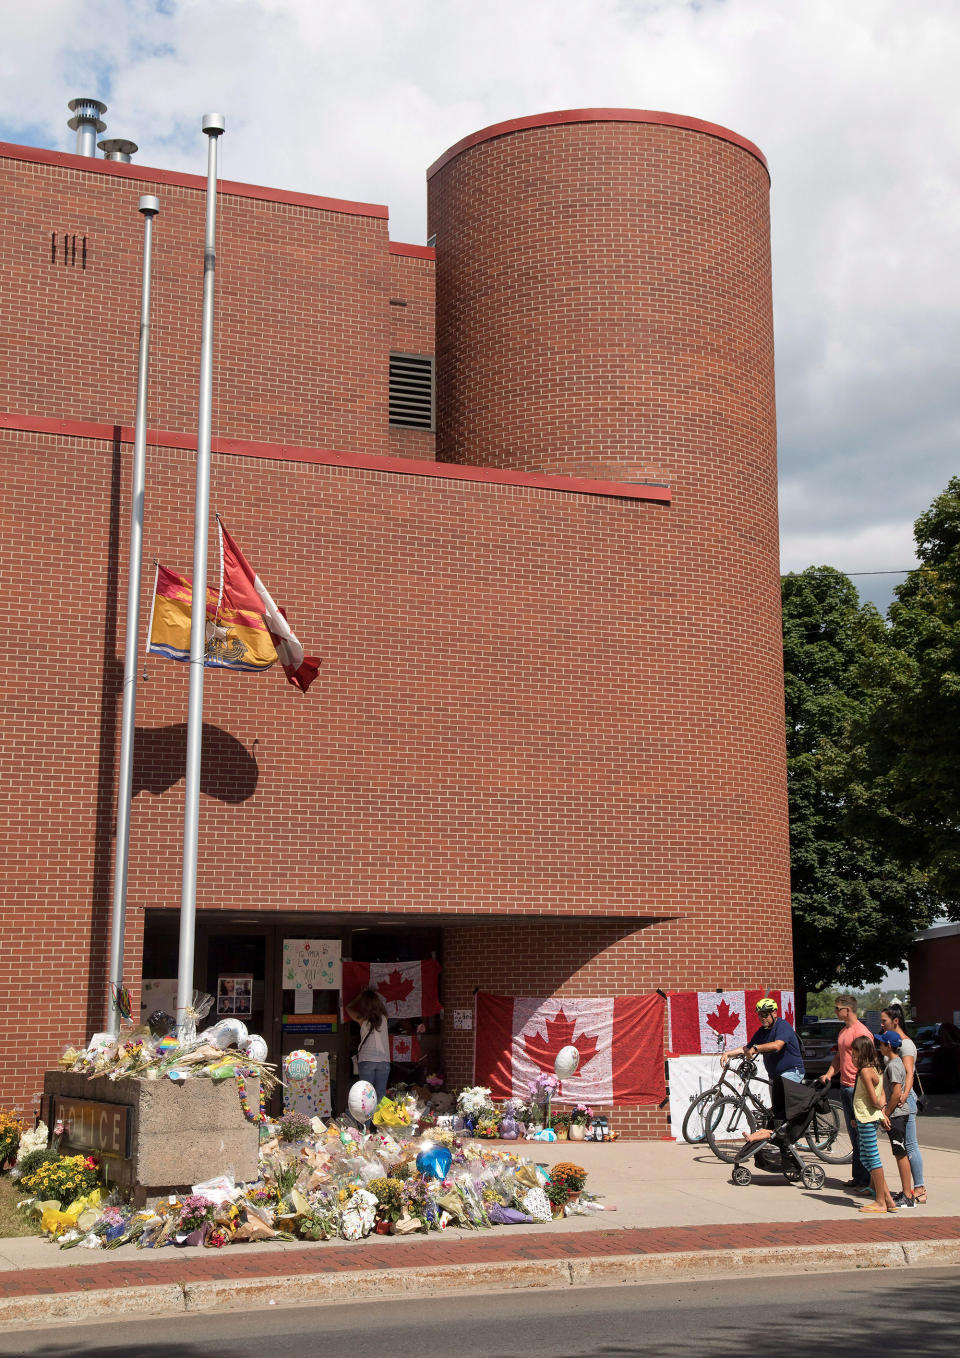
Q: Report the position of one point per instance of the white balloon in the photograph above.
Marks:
(255, 1047)
(229, 1032)
(568, 1058)
(362, 1100)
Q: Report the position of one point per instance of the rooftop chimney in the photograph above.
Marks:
(86, 122)
(116, 148)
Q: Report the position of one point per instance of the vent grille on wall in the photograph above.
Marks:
(411, 390)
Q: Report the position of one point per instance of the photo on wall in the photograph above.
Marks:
(235, 996)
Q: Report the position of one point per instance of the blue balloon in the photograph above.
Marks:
(435, 1163)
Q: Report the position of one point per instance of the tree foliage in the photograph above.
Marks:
(856, 903)
(912, 740)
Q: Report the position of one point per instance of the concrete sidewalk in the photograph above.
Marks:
(676, 1212)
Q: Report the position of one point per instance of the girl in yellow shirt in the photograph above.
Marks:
(868, 1110)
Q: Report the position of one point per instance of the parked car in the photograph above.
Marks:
(938, 1056)
(819, 1040)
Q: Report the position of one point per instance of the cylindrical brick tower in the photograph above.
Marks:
(603, 297)
(604, 311)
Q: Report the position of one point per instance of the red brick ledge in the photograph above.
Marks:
(597, 115)
(504, 1245)
(38, 155)
(412, 251)
(398, 466)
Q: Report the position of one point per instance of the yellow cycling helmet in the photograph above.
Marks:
(766, 1006)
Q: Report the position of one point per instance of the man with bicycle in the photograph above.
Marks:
(777, 1042)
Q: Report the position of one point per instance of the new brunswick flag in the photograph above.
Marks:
(245, 628)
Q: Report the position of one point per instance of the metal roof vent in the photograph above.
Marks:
(86, 122)
(116, 148)
(412, 391)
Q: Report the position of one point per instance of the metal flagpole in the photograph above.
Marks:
(149, 207)
(213, 126)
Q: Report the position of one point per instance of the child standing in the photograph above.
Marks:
(894, 1080)
(868, 1110)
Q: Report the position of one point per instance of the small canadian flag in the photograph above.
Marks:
(709, 1021)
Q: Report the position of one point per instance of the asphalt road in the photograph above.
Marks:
(826, 1315)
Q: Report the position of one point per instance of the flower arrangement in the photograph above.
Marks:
(474, 1102)
(581, 1115)
(33, 1141)
(294, 1126)
(11, 1130)
(389, 1196)
(195, 1211)
(64, 1179)
(565, 1172)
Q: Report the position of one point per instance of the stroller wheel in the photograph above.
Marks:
(741, 1175)
(813, 1176)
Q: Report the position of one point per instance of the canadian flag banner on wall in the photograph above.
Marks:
(710, 1021)
(620, 1041)
(408, 989)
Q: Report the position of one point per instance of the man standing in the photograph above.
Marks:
(779, 1046)
(846, 1011)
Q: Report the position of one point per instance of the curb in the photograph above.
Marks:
(601, 1271)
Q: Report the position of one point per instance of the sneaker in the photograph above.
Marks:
(901, 1200)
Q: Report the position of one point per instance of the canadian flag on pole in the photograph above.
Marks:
(620, 1042)
(408, 989)
(709, 1021)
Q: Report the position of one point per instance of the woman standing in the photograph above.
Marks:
(891, 1021)
(868, 1105)
(373, 1054)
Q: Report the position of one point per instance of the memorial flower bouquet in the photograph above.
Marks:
(195, 1211)
(63, 1180)
(581, 1115)
(11, 1130)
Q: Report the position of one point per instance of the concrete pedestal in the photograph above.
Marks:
(179, 1134)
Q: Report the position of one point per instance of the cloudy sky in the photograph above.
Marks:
(849, 99)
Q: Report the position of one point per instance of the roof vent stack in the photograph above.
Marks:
(86, 122)
(117, 148)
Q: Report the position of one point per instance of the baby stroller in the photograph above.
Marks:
(778, 1154)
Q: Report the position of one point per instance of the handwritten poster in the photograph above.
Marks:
(311, 964)
(307, 1085)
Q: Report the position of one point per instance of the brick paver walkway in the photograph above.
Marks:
(148, 1269)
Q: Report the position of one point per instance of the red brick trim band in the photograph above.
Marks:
(400, 466)
(92, 165)
(597, 115)
(412, 251)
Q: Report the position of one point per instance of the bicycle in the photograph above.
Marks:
(727, 1118)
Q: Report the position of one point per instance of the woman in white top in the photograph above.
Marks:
(891, 1020)
(373, 1054)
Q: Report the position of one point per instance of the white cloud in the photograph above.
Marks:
(853, 104)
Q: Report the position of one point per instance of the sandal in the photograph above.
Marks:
(920, 1194)
(873, 1209)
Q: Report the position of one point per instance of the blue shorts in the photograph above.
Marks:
(869, 1150)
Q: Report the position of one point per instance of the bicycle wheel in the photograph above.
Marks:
(828, 1138)
(728, 1122)
(694, 1127)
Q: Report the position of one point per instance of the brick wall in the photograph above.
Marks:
(412, 309)
(555, 715)
(302, 307)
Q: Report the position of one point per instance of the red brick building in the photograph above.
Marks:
(546, 744)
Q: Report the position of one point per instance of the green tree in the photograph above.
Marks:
(856, 906)
(913, 739)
